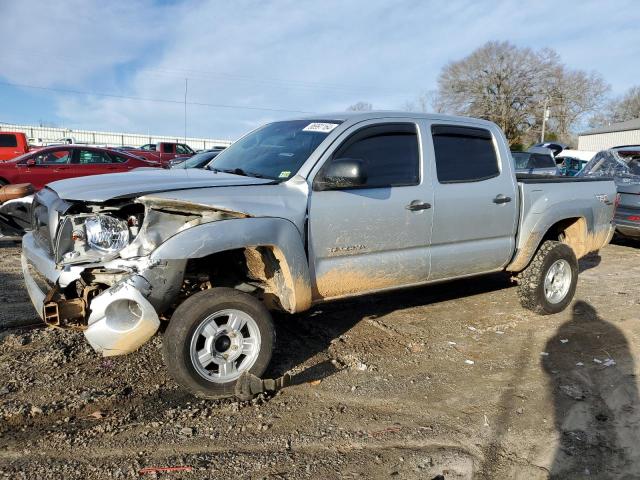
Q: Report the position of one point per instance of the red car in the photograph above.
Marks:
(66, 161)
(163, 152)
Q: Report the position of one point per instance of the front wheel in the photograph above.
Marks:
(548, 284)
(213, 337)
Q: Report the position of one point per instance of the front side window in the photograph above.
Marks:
(464, 154)
(8, 141)
(57, 157)
(92, 157)
(275, 151)
(149, 147)
(389, 154)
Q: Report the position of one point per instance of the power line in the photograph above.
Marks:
(145, 99)
(193, 74)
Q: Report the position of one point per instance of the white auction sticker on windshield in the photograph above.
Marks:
(320, 127)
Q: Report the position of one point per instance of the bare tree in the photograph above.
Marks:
(571, 96)
(360, 107)
(621, 109)
(510, 86)
(422, 103)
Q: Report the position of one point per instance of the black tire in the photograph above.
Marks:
(531, 289)
(184, 324)
(3, 182)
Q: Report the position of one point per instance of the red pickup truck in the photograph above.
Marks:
(67, 161)
(12, 145)
(163, 152)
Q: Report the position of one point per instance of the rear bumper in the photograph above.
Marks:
(121, 318)
(627, 221)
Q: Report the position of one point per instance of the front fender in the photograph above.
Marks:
(278, 233)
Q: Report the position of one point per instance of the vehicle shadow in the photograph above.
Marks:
(588, 262)
(626, 241)
(301, 337)
(591, 376)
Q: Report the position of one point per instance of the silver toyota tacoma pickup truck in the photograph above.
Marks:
(293, 214)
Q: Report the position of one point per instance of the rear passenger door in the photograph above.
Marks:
(93, 162)
(475, 215)
(374, 236)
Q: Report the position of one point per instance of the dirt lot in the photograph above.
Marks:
(383, 387)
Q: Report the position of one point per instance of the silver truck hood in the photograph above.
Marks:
(143, 181)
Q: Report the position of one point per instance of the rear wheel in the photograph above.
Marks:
(3, 182)
(548, 284)
(213, 337)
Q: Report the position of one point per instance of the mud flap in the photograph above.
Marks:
(248, 385)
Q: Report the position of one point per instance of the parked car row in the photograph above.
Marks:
(15, 144)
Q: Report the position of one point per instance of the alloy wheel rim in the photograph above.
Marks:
(224, 345)
(557, 281)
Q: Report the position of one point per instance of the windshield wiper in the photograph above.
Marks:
(238, 171)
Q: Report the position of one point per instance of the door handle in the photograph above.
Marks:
(501, 199)
(418, 205)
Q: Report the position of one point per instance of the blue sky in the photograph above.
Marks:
(248, 62)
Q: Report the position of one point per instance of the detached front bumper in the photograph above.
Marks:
(121, 319)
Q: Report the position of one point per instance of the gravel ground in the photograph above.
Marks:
(454, 380)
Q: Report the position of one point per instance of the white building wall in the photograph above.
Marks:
(43, 135)
(602, 141)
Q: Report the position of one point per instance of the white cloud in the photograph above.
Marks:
(68, 43)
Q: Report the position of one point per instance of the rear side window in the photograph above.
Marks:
(542, 161)
(92, 157)
(8, 140)
(464, 154)
(115, 158)
(389, 154)
(168, 148)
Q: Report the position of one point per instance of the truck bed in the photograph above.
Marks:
(530, 178)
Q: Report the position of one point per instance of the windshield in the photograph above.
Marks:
(525, 160)
(623, 165)
(275, 151)
(199, 160)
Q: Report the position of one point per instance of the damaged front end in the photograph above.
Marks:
(87, 266)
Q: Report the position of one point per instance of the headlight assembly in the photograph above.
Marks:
(106, 234)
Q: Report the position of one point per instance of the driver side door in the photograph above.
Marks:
(376, 235)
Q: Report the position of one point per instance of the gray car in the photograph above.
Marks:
(622, 164)
(297, 213)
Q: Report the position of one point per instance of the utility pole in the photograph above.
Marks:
(545, 117)
(186, 85)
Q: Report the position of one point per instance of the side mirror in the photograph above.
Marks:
(31, 162)
(343, 173)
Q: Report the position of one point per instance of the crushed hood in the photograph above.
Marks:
(144, 181)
